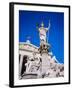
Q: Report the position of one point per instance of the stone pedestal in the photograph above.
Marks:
(45, 58)
(45, 63)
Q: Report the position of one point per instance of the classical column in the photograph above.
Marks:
(20, 65)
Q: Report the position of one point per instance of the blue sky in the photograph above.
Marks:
(27, 28)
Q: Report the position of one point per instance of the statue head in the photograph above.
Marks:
(42, 24)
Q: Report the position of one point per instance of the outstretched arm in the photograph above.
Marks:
(49, 25)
